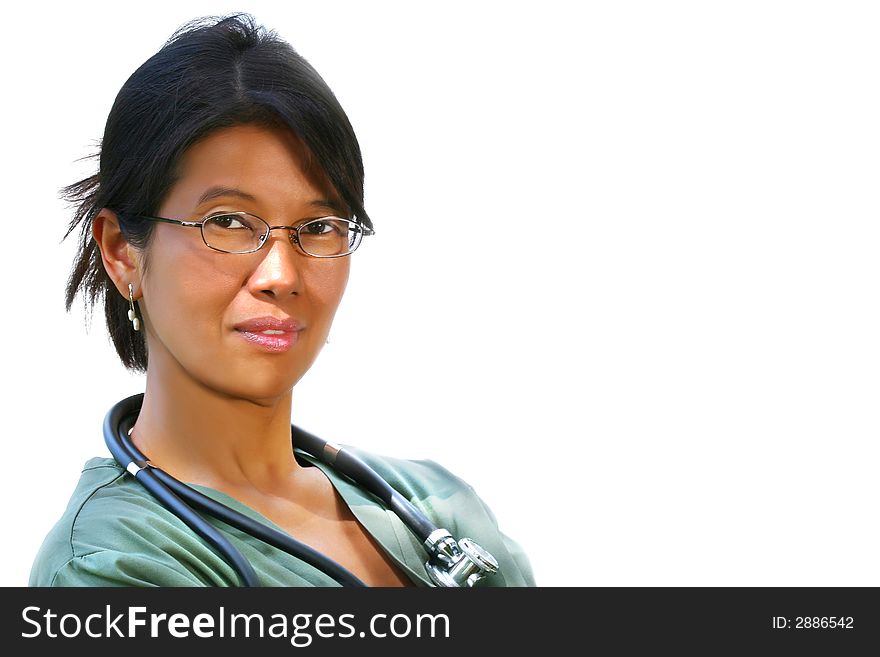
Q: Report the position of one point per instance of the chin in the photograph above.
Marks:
(259, 386)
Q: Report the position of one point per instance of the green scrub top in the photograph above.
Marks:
(115, 533)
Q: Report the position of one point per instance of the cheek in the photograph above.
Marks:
(187, 303)
(324, 286)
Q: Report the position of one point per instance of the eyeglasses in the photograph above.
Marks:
(242, 232)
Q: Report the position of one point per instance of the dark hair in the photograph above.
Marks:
(213, 72)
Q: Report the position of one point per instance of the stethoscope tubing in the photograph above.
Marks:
(355, 469)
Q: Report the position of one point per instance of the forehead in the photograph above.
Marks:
(270, 163)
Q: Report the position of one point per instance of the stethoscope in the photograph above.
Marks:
(450, 563)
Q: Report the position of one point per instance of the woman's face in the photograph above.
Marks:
(193, 296)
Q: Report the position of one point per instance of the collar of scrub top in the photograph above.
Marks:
(383, 524)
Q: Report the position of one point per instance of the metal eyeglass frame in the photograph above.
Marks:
(365, 231)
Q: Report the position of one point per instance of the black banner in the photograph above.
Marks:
(427, 621)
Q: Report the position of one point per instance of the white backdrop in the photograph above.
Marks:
(660, 368)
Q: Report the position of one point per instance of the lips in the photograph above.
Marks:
(270, 333)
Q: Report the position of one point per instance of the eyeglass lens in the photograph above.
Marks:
(240, 233)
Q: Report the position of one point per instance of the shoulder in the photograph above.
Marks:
(62, 543)
(111, 533)
(452, 503)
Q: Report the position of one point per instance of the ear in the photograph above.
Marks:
(121, 260)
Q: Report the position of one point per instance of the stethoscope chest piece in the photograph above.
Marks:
(468, 564)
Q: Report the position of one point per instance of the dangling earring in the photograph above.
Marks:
(131, 315)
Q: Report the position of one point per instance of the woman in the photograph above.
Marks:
(218, 233)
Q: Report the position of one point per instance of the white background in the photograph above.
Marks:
(624, 280)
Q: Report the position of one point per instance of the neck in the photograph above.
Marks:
(203, 435)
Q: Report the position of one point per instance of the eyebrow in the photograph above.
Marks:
(221, 190)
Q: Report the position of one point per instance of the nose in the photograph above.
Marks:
(278, 272)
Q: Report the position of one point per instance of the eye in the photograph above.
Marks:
(328, 237)
(230, 222)
(234, 233)
(320, 227)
